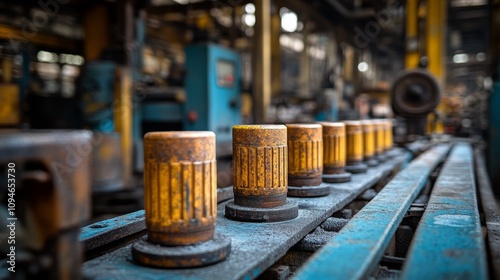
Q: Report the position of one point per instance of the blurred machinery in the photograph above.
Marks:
(414, 95)
(212, 92)
(46, 200)
(9, 97)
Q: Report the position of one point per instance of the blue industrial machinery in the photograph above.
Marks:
(97, 82)
(212, 92)
(494, 147)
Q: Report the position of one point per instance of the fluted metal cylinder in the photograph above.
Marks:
(354, 142)
(180, 187)
(387, 134)
(334, 147)
(368, 140)
(305, 154)
(379, 137)
(260, 165)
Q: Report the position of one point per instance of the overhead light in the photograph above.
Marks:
(460, 58)
(250, 8)
(481, 56)
(44, 56)
(363, 66)
(249, 20)
(289, 21)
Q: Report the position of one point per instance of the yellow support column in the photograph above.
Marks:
(97, 33)
(262, 60)
(435, 32)
(412, 54)
(275, 54)
(122, 110)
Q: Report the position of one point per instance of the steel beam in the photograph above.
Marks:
(448, 243)
(357, 249)
(491, 212)
(262, 61)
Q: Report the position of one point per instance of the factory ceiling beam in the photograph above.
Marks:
(205, 5)
(15, 35)
(355, 14)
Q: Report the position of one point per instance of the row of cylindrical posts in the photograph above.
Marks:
(270, 162)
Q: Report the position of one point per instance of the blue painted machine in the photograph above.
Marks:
(212, 92)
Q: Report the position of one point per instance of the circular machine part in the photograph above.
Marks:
(309, 191)
(194, 255)
(415, 93)
(288, 211)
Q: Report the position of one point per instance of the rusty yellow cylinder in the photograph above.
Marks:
(305, 154)
(368, 139)
(354, 142)
(260, 165)
(379, 137)
(180, 187)
(387, 135)
(334, 149)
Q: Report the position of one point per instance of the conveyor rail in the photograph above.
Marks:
(255, 246)
(357, 249)
(448, 243)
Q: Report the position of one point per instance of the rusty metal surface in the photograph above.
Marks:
(53, 181)
(334, 147)
(354, 142)
(255, 246)
(180, 201)
(491, 212)
(448, 243)
(260, 165)
(356, 250)
(334, 153)
(305, 161)
(180, 187)
(368, 127)
(388, 142)
(379, 137)
(305, 154)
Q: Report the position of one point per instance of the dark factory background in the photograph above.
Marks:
(83, 82)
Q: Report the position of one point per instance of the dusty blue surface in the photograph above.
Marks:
(448, 243)
(356, 250)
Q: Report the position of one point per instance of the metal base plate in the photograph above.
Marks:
(356, 169)
(309, 191)
(381, 158)
(337, 178)
(195, 255)
(391, 153)
(288, 211)
(372, 162)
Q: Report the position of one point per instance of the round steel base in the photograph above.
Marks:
(309, 191)
(371, 162)
(195, 255)
(288, 211)
(357, 168)
(381, 158)
(337, 178)
(391, 153)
